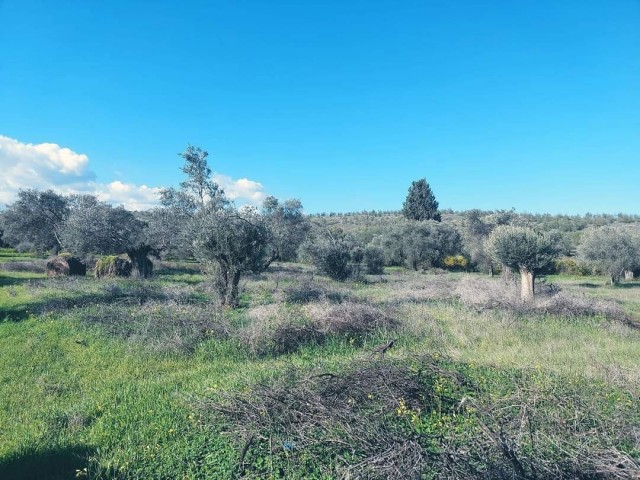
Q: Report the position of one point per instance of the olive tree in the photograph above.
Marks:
(420, 203)
(333, 252)
(198, 190)
(288, 226)
(524, 250)
(425, 244)
(611, 249)
(169, 224)
(230, 243)
(34, 221)
(95, 227)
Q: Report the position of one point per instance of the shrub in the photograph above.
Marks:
(374, 260)
(351, 319)
(113, 266)
(277, 330)
(569, 266)
(333, 254)
(455, 262)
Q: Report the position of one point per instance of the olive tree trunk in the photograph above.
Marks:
(142, 266)
(228, 286)
(231, 297)
(527, 285)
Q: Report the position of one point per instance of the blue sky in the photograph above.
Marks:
(499, 104)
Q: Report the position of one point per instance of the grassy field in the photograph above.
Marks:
(151, 379)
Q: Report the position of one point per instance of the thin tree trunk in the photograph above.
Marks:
(507, 274)
(527, 286)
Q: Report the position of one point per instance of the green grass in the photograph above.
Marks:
(74, 396)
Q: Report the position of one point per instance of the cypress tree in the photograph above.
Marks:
(421, 204)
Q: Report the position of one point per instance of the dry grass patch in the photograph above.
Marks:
(278, 329)
(487, 294)
(350, 319)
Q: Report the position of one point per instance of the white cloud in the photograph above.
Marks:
(49, 166)
(133, 197)
(241, 189)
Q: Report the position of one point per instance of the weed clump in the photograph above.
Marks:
(282, 329)
(162, 326)
(350, 319)
(278, 330)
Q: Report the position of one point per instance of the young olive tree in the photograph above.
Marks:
(333, 252)
(288, 226)
(95, 227)
(426, 244)
(420, 203)
(230, 243)
(34, 221)
(524, 250)
(612, 249)
(475, 229)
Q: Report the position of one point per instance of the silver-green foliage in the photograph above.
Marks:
(230, 243)
(289, 227)
(34, 221)
(612, 249)
(522, 248)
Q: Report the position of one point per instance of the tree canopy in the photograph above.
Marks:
(35, 220)
(231, 243)
(421, 203)
(524, 250)
(611, 249)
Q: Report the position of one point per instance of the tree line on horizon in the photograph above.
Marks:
(196, 220)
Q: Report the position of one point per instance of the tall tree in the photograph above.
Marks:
(198, 189)
(34, 221)
(524, 250)
(420, 203)
(171, 222)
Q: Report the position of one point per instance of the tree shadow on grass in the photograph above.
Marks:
(589, 285)
(8, 281)
(53, 464)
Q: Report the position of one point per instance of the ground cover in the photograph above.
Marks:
(151, 379)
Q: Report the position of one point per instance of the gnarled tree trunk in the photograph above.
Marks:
(527, 285)
(141, 265)
(231, 298)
